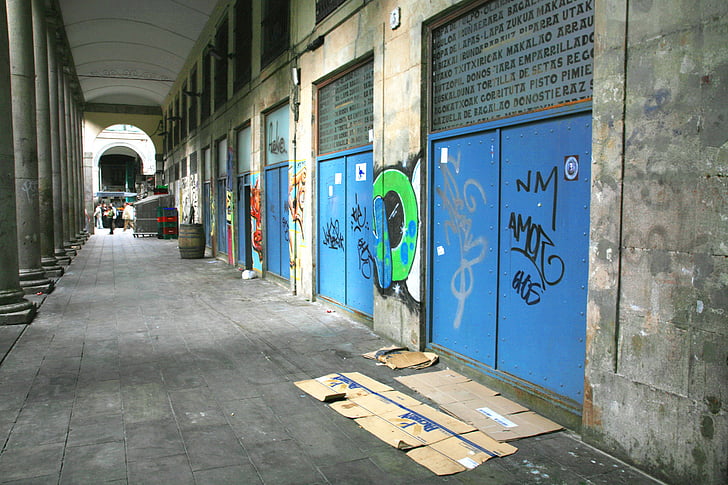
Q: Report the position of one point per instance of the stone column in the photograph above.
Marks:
(14, 309)
(48, 260)
(65, 180)
(81, 235)
(57, 204)
(22, 83)
(71, 166)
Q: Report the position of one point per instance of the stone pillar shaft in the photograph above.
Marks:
(22, 82)
(57, 204)
(43, 130)
(65, 180)
(14, 309)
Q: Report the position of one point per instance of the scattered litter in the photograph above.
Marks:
(400, 358)
(329, 311)
(213, 261)
(39, 293)
(433, 439)
(484, 408)
(249, 274)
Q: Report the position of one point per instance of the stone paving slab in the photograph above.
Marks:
(142, 367)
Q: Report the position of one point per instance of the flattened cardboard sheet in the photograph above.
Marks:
(456, 455)
(396, 357)
(501, 418)
(333, 387)
(436, 440)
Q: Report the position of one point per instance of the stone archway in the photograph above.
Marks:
(123, 160)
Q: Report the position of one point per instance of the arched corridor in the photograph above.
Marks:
(535, 191)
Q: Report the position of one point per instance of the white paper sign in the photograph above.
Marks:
(443, 155)
(331, 190)
(440, 250)
(361, 172)
(337, 178)
(497, 418)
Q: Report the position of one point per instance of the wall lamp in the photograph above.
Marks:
(174, 118)
(316, 43)
(191, 93)
(216, 54)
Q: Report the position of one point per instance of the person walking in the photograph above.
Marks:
(111, 214)
(98, 217)
(128, 216)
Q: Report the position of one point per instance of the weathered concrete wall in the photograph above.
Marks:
(657, 375)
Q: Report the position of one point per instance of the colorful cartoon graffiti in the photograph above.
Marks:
(255, 221)
(396, 226)
(230, 205)
(296, 201)
(297, 193)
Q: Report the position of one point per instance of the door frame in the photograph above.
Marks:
(568, 409)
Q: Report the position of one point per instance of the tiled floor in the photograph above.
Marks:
(142, 367)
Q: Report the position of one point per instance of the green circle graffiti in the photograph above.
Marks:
(401, 256)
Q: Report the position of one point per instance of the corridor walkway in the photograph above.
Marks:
(142, 367)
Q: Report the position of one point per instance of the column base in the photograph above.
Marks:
(69, 249)
(14, 309)
(33, 281)
(51, 267)
(62, 258)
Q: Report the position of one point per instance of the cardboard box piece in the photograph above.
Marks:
(436, 440)
(400, 358)
(474, 403)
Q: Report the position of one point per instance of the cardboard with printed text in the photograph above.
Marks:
(438, 441)
(474, 403)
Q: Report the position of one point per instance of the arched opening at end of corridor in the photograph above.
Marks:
(124, 162)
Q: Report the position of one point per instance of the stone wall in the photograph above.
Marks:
(657, 375)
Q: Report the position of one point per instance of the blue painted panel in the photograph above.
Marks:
(464, 247)
(544, 252)
(360, 264)
(273, 212)
(221, 222)
(285, 256)
(332, 229)
(207, 213)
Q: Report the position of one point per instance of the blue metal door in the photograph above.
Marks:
(346, 268)
(276, 227)
(465, 244)
(359, 250)
(220, 217)
(509, 252)
(207, 213)
(544, 252)
(332, 229)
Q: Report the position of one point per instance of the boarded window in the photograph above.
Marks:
(345, 108)
(325, 7)
(194, 99)
(243, 41)
(220, 54)
(206, 97)
(506, 58)
(275, 30)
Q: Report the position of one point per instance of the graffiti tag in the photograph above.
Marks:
(529, 291)
(535, 242)
(536, 245)
(276, 144)
(459, 203)
(332, 236)
(358, 217)
(365, 258)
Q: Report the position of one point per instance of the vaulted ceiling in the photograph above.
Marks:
(131, 51)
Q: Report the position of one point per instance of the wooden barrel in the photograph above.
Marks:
(191, 241)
